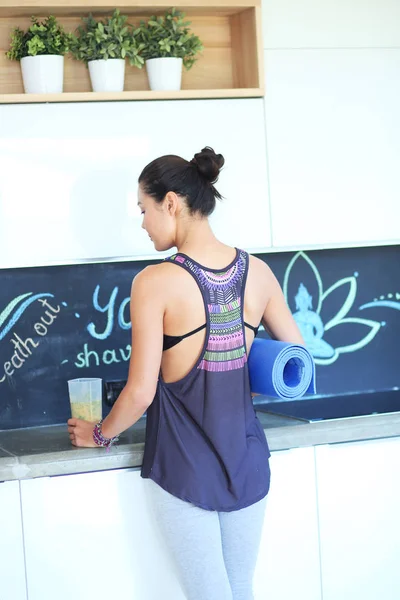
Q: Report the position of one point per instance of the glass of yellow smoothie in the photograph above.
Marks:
(85, 397)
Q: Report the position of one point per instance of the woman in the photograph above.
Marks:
(194, 317)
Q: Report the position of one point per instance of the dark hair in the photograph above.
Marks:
(193, 179)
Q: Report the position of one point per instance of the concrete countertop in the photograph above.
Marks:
(46, 451)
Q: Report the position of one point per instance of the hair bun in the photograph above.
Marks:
(208, 163)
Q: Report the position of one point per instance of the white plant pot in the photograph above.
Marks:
(164, 73)
(107, 75)
(43, 74)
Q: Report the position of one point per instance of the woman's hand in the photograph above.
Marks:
(81, 433)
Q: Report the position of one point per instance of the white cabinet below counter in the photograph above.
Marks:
(359, 503)
(91, 535)
(331, 531)
(12, 568)
(288, 563)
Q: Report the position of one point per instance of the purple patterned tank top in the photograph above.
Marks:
(204, 443)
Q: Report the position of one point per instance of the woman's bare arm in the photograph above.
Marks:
(147, 314)
(277, 318)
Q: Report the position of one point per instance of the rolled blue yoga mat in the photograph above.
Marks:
(280, 369)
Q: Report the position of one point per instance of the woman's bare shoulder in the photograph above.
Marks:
(157, 275)
(260, 268)
(261, 279)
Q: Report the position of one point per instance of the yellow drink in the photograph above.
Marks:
(88, 411)
(85, 396)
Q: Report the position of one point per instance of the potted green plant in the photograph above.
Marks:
(104, 47)
(168, 44)
(41, 51)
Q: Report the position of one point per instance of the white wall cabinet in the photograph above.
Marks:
(88, 163)
(359, 500)
(288, 564)
(12, 567)
(331, 23)
(333, 130)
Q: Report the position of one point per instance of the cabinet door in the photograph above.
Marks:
(91, 535)
(331, 24)
(12, 567)
(95, 171)
(359, 500)
(333, 146)
(288, 564)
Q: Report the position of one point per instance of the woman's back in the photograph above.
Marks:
(185, 312)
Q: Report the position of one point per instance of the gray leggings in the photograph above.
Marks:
(215, 552)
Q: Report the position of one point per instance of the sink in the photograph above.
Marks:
(317, 408)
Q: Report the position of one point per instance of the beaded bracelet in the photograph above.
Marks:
(99, 438)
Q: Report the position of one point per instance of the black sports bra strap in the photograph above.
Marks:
(172, 340)
(193, 332)
(252, 327)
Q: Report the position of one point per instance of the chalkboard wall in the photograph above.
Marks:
(62, 322)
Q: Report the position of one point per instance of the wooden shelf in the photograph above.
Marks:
(140, 95)
(229, 67)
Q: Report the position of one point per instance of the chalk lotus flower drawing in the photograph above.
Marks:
(312, 311)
